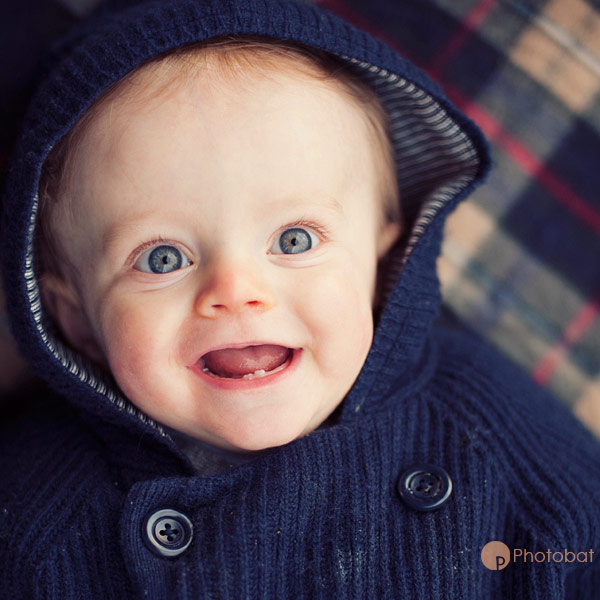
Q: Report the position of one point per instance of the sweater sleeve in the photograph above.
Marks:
(548, 460)
(58, 506)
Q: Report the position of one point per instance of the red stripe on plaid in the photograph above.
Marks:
(472, 20)
(526, 160)
(516, 150)
(341, 10)
(581, 323)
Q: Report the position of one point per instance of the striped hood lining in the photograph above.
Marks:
(435, 161)
(76, 364)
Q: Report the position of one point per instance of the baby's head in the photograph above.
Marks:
(211, 230)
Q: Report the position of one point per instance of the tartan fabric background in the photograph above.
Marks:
(521, 261)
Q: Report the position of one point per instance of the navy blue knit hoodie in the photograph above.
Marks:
(439, 448)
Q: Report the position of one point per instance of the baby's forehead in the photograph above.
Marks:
(215, 92)
(233, 66)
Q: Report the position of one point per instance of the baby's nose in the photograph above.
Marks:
(231, 287)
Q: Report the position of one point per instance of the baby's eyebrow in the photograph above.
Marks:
(335, 205)
(129, 225)
(328, 202)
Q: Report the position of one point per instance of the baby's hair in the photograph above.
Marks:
(236, 55)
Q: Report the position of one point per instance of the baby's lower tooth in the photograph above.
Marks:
(259, 373)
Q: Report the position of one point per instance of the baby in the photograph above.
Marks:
(219, 245)
(215, 224)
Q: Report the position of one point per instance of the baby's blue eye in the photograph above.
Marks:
(295, 240)
(162, 259)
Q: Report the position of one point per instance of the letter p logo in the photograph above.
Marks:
(495, 556)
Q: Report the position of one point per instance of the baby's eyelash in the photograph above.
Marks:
(320, 229)
(149, 244)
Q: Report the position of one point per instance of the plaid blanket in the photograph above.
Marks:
(521, 261)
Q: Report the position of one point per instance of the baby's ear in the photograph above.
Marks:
(388, 235)
(65, 306)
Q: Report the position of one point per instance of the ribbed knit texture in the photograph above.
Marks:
(320, 517)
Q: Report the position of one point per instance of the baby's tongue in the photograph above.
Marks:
(237, 362)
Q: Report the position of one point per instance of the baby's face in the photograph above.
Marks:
(226, 238)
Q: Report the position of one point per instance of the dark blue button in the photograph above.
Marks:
(168, 532)
(424, 487)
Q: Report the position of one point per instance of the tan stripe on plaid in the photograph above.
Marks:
(520, 303)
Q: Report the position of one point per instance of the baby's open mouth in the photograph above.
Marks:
(246, 363)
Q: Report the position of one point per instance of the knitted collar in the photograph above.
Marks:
(440, 157)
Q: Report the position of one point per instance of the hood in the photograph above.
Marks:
(440, 157)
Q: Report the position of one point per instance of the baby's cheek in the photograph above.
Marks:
(342, 320)
(129, 340)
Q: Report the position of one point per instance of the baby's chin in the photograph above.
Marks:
(242, 442)
(253, 437)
